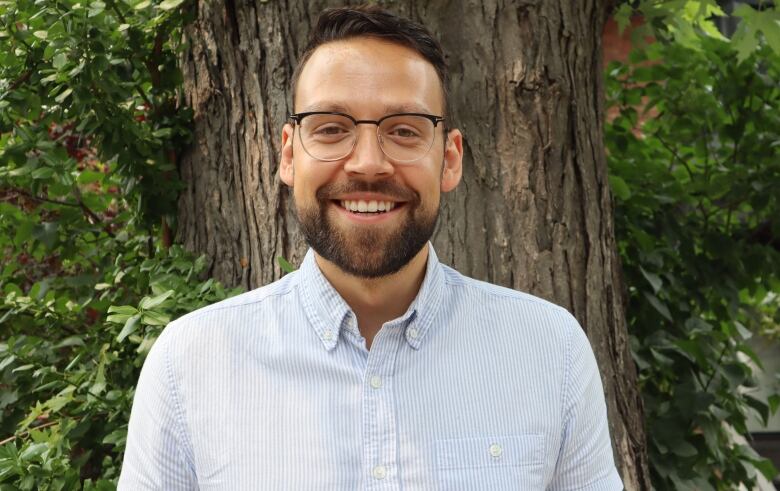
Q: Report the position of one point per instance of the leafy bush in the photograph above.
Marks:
(695, 162)
(89, 125)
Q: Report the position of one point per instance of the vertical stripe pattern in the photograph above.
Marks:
(475, 387)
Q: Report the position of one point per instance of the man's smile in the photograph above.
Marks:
(368, 211)
(372, 206)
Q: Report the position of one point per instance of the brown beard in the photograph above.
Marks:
(373, 252)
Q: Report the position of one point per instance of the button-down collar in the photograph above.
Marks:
(329, 313)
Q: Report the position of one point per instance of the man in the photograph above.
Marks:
(374, 366)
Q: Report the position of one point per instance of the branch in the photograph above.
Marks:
(674, 153)
(22, 79)
(25, 433)
(43, 200)
(151, 62)
(94, 219)
(144, 96)
(118, 13)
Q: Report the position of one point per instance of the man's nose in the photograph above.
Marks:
(368, 160)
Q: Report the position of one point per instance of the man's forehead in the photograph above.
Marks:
(392, 78)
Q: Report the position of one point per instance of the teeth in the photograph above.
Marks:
(372, 206)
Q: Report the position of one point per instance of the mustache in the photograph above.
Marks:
(388, 188)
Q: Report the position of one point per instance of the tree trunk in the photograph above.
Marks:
(533, 211)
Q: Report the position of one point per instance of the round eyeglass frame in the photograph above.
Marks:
(298, 117)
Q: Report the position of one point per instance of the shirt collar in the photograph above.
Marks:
(328, 313)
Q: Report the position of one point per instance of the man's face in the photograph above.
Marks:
(368, 79)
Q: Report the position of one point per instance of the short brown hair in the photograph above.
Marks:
(337, 24)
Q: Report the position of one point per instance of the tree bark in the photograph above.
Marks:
(533, 211)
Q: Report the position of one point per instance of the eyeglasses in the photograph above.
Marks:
(331, 136)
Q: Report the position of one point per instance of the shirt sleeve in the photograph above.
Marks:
(585, 460)
(157, 455)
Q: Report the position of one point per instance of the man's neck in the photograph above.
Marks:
(377, 300)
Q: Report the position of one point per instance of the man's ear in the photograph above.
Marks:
(453, 161)
(286, 171)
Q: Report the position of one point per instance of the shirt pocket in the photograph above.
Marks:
(495, 463)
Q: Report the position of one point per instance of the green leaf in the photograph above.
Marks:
(652, 278)
(170, 4)
(761, 408)
(41, 34)
(129, 328)
(96, 8)
(150, 303)
(63, 95)
(285, 265)
(122, 309)
(70, 341)
(42, 173)
(33, 451)
(153, 318)
(90, 176)
(774, 402)
(684, 449)
(118, 318)
(743, 331)
(59, 61)
(623, 17)
(116, 437)
(766, 467)
(659, 306)
(7, 361)
(619, 187)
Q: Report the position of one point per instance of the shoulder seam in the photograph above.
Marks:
(215, 308)
(568, 354)
(513, 294)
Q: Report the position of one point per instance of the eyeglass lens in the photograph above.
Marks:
(403, 138)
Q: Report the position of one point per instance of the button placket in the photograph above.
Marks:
(379, 420)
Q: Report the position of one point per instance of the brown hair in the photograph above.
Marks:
(337, 24)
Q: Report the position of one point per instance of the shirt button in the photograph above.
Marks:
(496, 450)
(379, 472)
(412, 333)
(375, 381)
(327, 334)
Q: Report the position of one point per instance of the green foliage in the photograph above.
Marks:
(695, 162)
(81, 76)
(89, 125)
(689, 22)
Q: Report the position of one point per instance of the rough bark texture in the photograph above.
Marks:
(533, 211)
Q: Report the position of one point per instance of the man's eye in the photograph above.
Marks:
(330, 130)
(404, 132)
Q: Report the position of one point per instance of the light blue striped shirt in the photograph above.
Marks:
(475, 387)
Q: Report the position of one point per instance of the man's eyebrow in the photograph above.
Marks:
(388, 109)
(325, 106)
(406, 108)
